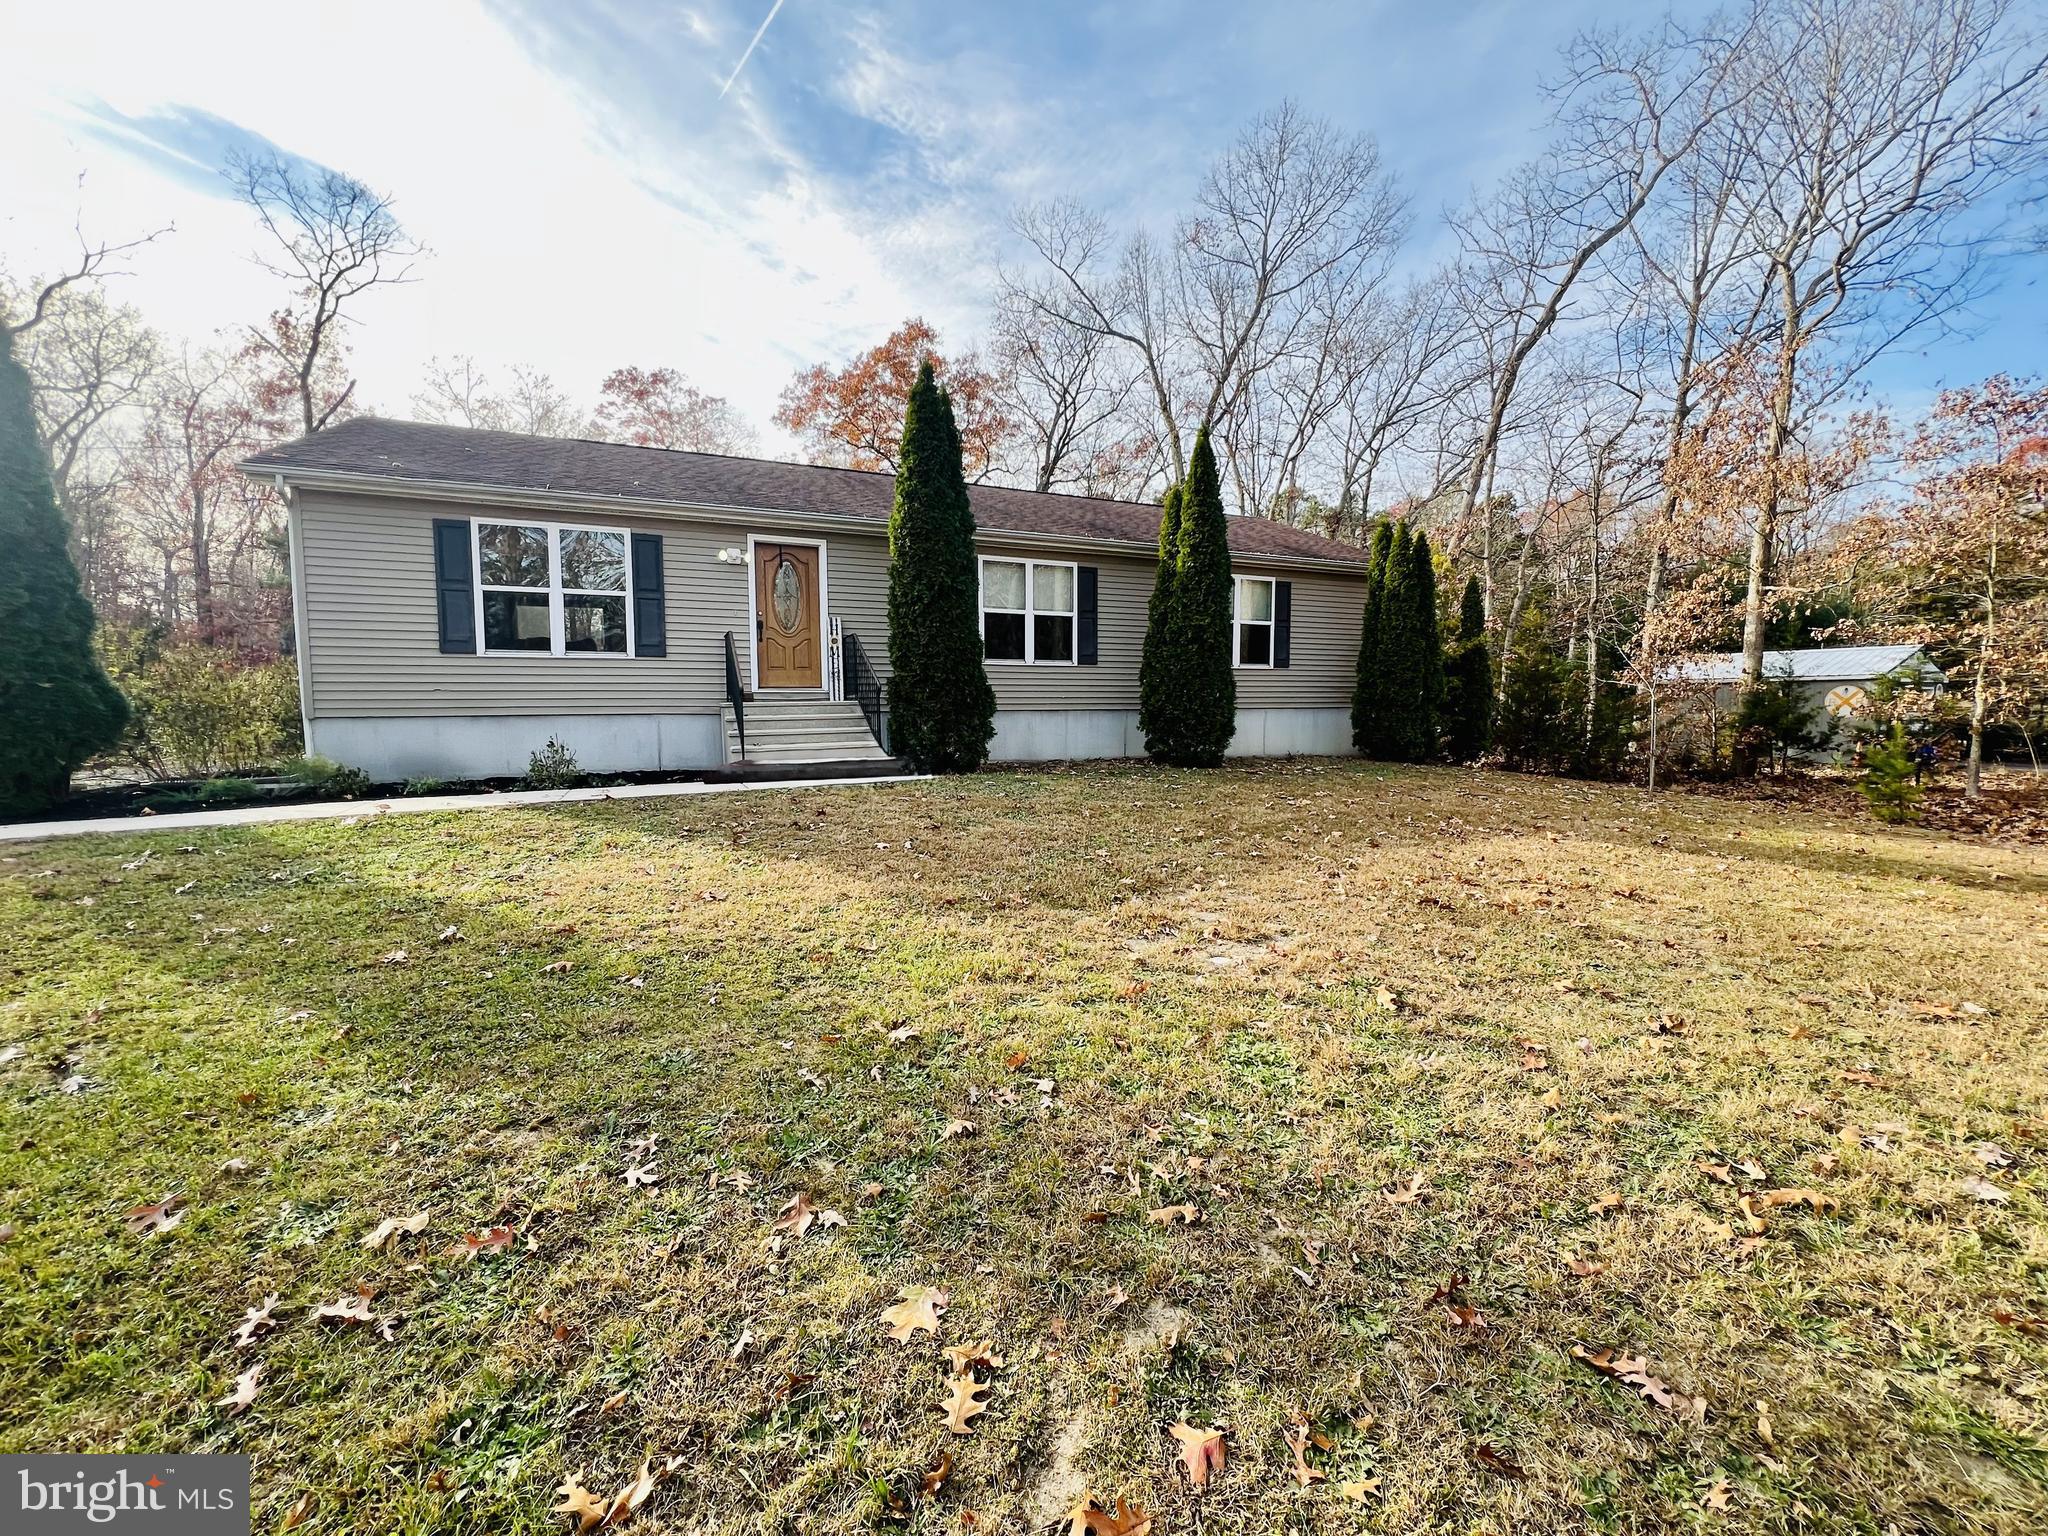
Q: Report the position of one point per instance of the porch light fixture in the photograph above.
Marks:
(731, 556)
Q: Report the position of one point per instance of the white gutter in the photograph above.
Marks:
(545, 499)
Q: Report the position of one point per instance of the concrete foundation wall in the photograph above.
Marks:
(393, 748)
(396, 747)
(1054, 735)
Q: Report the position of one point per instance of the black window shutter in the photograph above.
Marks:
(454, 590)
(1084, 610)
(1283, 623)
(650, 607)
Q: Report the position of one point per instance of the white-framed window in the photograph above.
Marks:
(1251, 620)
(556, 589)
(1028, 610)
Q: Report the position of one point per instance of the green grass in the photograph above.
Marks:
(1202, 966)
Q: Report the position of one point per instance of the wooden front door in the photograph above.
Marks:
(789, 644)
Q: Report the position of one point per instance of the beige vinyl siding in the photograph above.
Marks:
(1123, 589)
(1328, 610)
(1323, 663)
(859, 583)
(372, 636)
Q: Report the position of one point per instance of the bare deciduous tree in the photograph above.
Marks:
(458, 392)
(1287, 228)
(1630, 110)
(333, 240)
(1067, 394)
(1873, 127)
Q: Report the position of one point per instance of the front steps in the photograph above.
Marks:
(801, 728)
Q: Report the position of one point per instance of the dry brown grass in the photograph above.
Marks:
(1281, 994)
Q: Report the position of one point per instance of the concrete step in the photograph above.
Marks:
(806, 727)
(792, 752)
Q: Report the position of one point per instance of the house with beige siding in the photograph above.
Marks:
(461, 596)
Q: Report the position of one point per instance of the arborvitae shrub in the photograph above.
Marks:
(941, 708)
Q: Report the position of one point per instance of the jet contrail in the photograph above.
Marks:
(752, 44)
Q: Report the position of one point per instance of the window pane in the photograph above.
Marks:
(1002, 584)
(514, 621)
(1052, 588)
(1254, 599)
(594, 624)
(510, 556)
(1053, 636)
(1002, 636)
(1255, 645)
(593, 560)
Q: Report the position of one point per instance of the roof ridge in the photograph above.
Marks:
(731, 458)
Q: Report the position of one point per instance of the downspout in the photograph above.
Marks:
(301, 645)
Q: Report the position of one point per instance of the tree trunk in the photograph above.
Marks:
(1592, 611)
(1975, 788)
(202, 570)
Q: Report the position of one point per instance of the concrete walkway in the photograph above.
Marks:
(331, 810)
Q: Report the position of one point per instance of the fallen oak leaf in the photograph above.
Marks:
(1201, 1451)
(1406, 1194)
(917, 1309)
(490, 1240)
(581, 1505)
(1359, 1492)
(964, 1402)
(354, 1309)
(1607, 1204)
(258, 1322)
(629, 1498)
(1820, 1203)
(796, 1215)
(1499, 1463)
(246, 1387)
(1124, 1518)
(936, 1475)
(1167, 1215)
(298, 1514)
(963, 1358)
(642, 1175)
(955, 1129)
(1297, 1437)
(388, 1230)
(1986, 1191)
(1634, 1371)
(149, 1220)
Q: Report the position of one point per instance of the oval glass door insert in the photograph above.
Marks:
(788, 591)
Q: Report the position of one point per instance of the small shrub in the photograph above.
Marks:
(554, 766)
(1887, 783)
(417, 787)
(326, 774)
(201, 709)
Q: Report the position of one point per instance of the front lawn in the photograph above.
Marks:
(1326, 1105)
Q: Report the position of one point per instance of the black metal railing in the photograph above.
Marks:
(733, 694)
(861, 684)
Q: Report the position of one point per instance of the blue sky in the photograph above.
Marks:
(594, 194)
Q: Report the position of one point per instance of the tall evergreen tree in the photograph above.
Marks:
(1369, 695)
(1416, 722)
(57, 707)
(1468, 681)
(1400, 658)
(1155, 665)
(941, 707)
(1204, 685)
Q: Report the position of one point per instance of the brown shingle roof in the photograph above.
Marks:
(511, 461)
